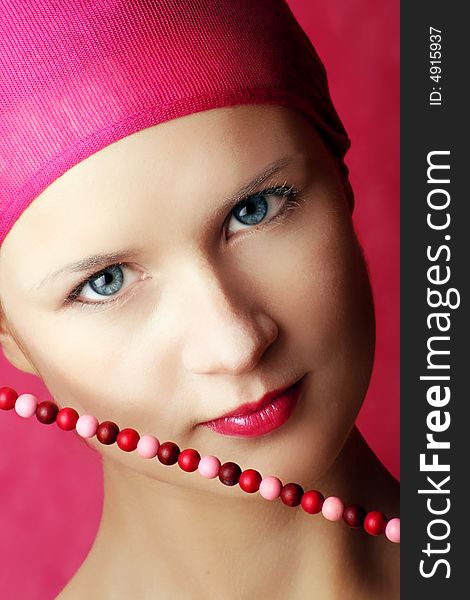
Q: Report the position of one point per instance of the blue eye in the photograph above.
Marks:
(106, 282)
(252, 211)
(266, 206)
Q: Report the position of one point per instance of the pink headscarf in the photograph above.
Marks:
(78, 75)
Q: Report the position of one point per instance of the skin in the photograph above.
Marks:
(212, 313)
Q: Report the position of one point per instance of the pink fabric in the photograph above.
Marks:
(77, 75)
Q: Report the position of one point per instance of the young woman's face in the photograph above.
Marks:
(223, 292)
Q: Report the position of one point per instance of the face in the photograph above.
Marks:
(232, 270)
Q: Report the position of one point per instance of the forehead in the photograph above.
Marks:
(234, 138)
(161, 176)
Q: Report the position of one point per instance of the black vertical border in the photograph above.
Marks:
(426, 128)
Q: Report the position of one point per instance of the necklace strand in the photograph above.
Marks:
(229, 473)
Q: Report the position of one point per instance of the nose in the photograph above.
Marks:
(221, 334)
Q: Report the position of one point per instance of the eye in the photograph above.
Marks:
(268, 205)
(105, 283)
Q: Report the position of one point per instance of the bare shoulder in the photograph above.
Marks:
(74, 589)
(85, 582)
(378, 575)
(68, 592)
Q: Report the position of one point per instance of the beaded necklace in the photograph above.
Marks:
(229, 473)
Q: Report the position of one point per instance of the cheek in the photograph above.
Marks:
(104, 366)
(339, 338)
(334, 307)
(319, 293)
(315, 285)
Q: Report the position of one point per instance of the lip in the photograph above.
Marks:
(259, 418)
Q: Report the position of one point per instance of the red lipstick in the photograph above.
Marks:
(258, 418)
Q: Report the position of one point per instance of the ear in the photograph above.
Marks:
(12, 348)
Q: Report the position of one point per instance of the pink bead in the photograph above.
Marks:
(86, 426)
(270, 488)
(147, 446)
(26, 405)
(333, 508)
(209, 466)
(392, 530)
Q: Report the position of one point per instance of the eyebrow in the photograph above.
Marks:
(97, 261)
(94, 261)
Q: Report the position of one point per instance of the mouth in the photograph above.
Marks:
(260, 417)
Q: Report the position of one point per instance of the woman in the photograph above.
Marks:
(229, 269)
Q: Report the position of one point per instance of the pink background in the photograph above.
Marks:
(51, 482)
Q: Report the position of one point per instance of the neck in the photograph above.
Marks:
(184, 542)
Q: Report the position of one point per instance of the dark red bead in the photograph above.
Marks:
(46, 412)
(312, 501)
(67, 418)
(168, 453)
(229, 473)
(128, 439)
(107, 432)
(8, 398)
(291, 494)
(354, 515)
(375, 522)
(188, 459)
(249, 481)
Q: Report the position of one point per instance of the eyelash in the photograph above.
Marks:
(71, 299)
(289, 192)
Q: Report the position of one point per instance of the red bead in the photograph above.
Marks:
(291, 494)
(46, 412)
(168, 453)
(107, 432)
(249, 481)
(229, 473)
(67, 418)
(354, 515)
(375, 522)
(128, 439)
(189, 459)
(312, 501)
(8, 398)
